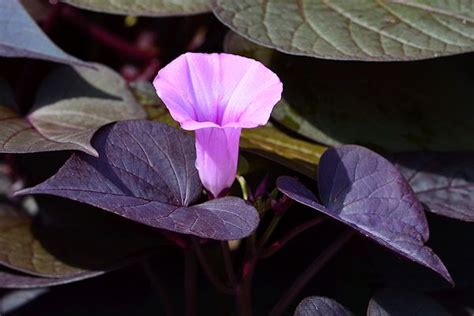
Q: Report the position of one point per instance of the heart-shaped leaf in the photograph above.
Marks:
(145, 172)
(391, 302)
(71, 104)
(320, 306)
(365, 191)
(145, 7)
(21, 37)
(354, 30)
(430, 111)
(444, 182)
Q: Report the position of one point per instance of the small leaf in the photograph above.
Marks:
(320, 306)
(354, 30)
(363, 190)
(144, 7)
(444, 182)
(145, 172)
(21, 37)
(392, 302)
(270, 143)
(15, 280)
(71, 104)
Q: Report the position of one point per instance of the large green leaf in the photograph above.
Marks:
(145, 7)
(71, 104)
(21, 37)
(266, 141)
(355, 29)
(396, 107)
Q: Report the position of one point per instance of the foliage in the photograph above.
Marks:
(96, 176)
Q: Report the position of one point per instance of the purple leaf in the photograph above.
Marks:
(444, 182)
(21, 37)
(16, 280)
(145, 172)
(320, 306)
(403, 302)
(365, 191)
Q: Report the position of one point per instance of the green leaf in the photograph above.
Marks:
(144, 7)
(378, 30)
(396, 107)
(71, 105)
(21, 37)
(68, 240)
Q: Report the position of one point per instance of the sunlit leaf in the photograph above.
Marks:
(273, 144)
(21, 37)
(444, 182)
(355, 30)
(392, 302)
(71, 105)
(144, 7)
(146, 172)
(320, 306)
(365, 191)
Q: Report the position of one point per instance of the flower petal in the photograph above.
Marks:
(217, 151)
(225, 89)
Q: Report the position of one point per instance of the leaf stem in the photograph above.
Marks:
(310, 272)
(190, 283)
(208, 270)
(229, 267)
(279, 244)
(158, 285)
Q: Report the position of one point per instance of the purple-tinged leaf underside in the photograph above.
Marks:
(443, 182)
(21, 37)
(70, 106)
(365, 191)
(320, 306)
(145, 172)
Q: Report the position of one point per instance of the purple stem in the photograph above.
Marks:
(190, 283)
(279, 244)
(309, 273)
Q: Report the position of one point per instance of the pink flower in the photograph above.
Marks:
(217, 95)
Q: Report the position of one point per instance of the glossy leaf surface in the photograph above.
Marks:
(320, 306)
(145, 172)
(365, 191)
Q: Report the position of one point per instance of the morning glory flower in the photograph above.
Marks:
(216, 95)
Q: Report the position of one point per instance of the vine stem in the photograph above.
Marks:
(229, 267)
(309, 273)
(279, 244)
(158, 285)
(208, 269)
(190, 283)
